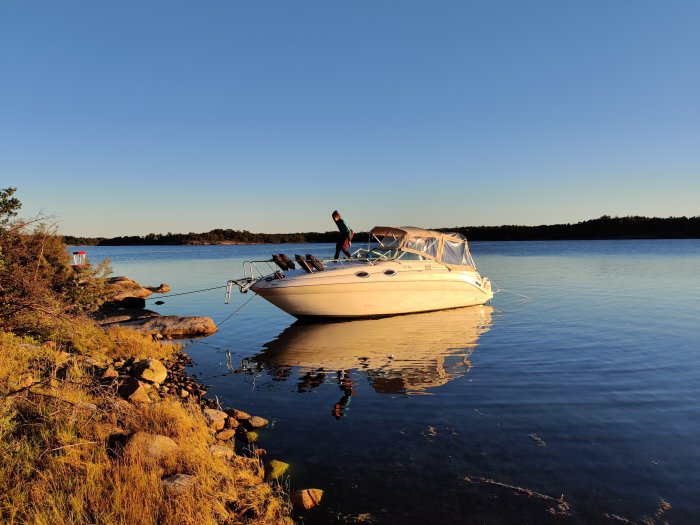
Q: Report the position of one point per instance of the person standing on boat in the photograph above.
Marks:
(345, 238)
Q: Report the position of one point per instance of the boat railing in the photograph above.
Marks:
(251, 274)
(251, 270)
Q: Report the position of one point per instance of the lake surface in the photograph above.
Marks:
(586, 384)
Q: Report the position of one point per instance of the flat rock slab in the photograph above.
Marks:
(177, 326)
(107, 316)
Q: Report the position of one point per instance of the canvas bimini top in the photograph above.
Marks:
(450, 249)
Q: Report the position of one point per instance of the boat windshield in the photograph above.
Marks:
(408, 243)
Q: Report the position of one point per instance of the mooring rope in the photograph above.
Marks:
(245, 303)
(184, 293)
(514, 293)
(236, 310)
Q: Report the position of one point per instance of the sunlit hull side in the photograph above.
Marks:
(362, 289)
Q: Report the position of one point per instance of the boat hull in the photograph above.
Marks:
(356, 291)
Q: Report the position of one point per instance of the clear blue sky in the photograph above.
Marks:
(130, 117)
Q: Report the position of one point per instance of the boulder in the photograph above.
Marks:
(150, 370)
(122, 287)
(132, 390)
(306, 499)
(151, 446)
(216, 419)
(177, 326)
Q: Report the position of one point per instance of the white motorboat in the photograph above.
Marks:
(400, 270)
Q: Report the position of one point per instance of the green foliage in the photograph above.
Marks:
(605, 227)
(9, 205)
(38, 288)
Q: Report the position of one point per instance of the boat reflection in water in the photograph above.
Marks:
(408, 354)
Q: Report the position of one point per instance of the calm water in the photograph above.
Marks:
(590, 387)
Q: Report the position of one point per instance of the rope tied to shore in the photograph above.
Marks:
(184, 293)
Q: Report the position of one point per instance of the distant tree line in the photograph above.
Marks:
(218, 236)
(605, 227)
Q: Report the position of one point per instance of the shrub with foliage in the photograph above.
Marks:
(39, 289)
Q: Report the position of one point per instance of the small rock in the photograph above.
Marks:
(238, 414)
(132, 390)
(150, 370)
(257, 422)
(232, 422)
(220, 451)
(152, 446)
(163, 288)
(178, 483)
(25, 381)
(225, 435)
(306, 499)
(184, 393)
(216, 419)
(109, 373)
(275, 469)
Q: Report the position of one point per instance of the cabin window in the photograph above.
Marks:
(455, 253)
(426, 245)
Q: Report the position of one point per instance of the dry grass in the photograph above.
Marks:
(129, 343)
(56, 465)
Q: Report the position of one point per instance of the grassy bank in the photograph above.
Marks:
(66, 453)
(59, 456)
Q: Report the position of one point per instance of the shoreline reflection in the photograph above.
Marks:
(408, 354)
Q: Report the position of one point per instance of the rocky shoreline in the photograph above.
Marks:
(144, 381)
(127, 306)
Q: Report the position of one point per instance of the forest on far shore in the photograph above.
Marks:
(605, 227)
